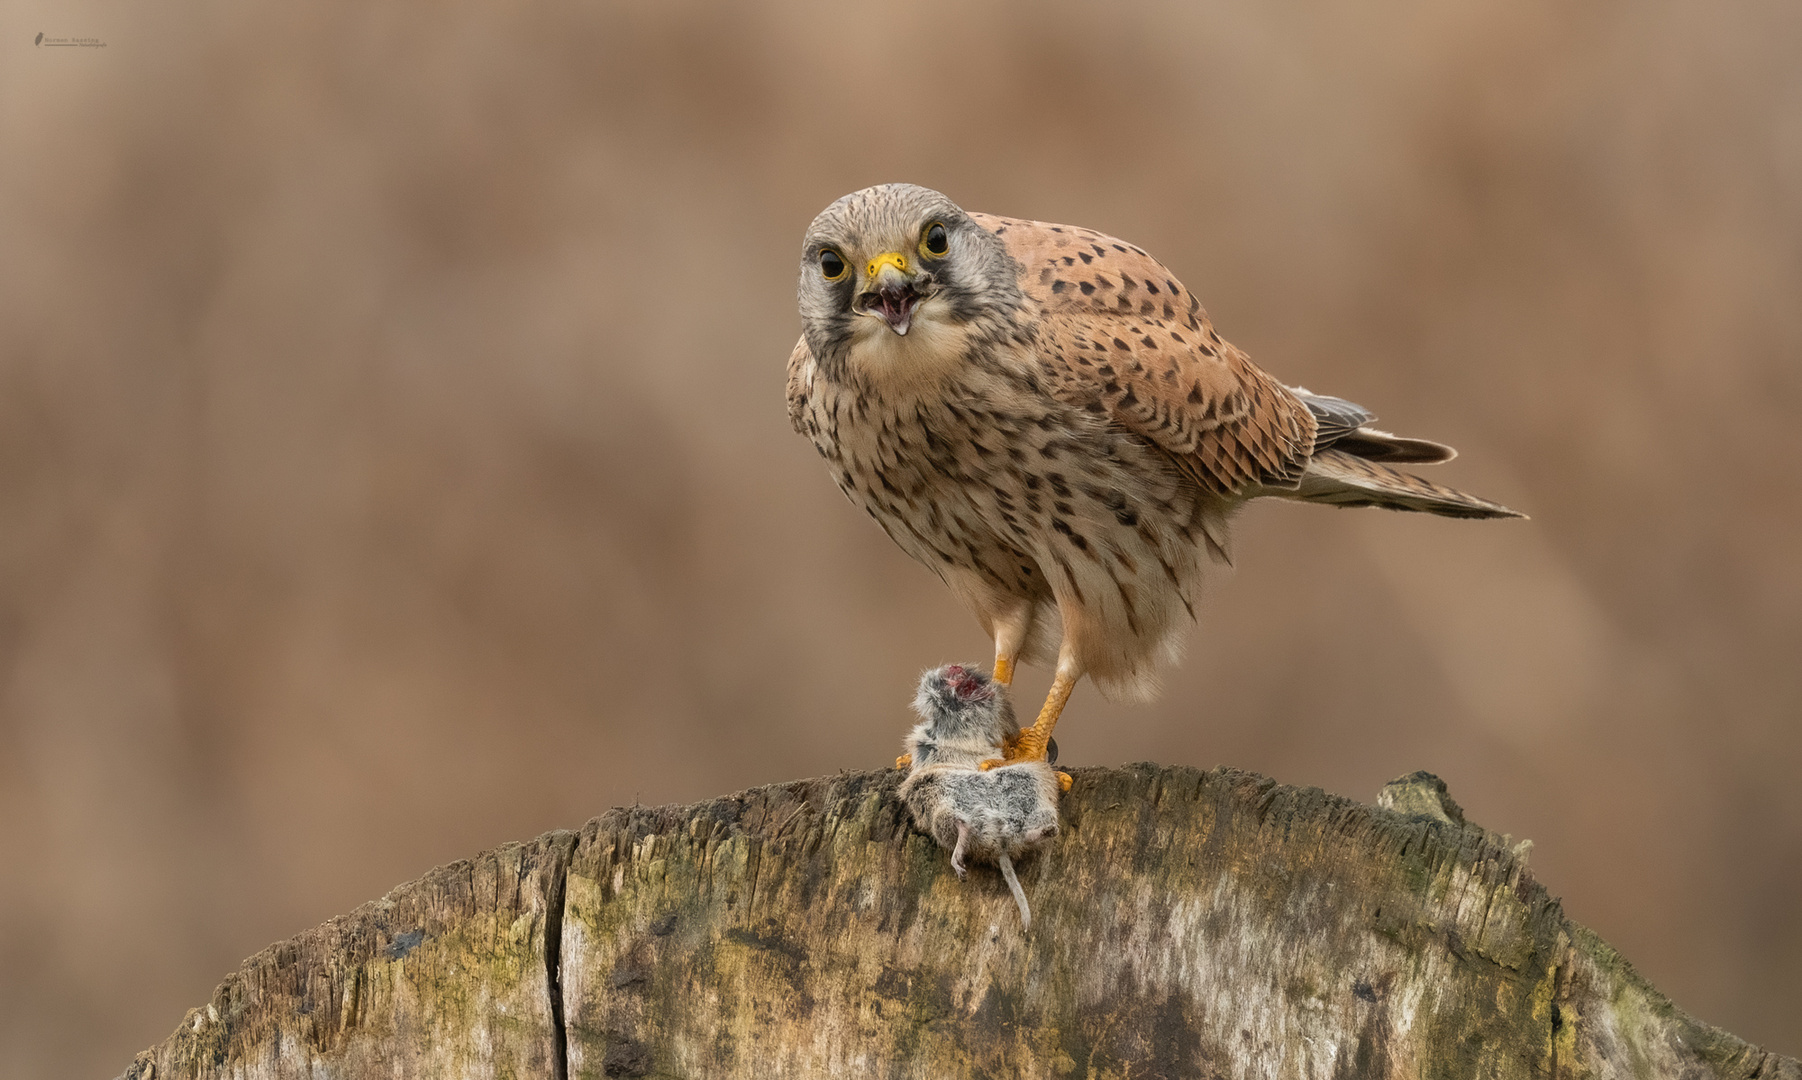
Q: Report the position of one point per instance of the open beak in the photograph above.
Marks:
(891, 292)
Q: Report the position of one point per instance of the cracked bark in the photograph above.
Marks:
(1187, 924)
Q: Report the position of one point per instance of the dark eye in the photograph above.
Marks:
(936, 241)
(831, 265)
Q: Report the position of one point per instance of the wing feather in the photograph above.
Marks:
(1118, 334)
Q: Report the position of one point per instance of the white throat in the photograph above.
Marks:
(932, 348)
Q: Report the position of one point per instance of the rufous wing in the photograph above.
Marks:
(1119, 335)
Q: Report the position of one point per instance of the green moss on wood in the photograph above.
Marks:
(1186, 924)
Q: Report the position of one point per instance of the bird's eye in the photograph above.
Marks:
(831, 265)
(937, 243)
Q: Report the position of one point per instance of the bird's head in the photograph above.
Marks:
(896, 260)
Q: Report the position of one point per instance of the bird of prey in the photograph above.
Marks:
(1045, 417)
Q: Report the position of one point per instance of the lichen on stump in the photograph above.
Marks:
(1186, 924)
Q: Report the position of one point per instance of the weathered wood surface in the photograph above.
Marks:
(1187, 924)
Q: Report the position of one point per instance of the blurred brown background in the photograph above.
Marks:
(393, 460)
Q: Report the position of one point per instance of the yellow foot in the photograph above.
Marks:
(1010, 753)
(904, 761)
(1064, 781)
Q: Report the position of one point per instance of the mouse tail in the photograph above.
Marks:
(1013, 883)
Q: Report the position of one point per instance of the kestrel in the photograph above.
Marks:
(1044, 416)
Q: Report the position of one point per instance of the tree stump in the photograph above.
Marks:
(1186, 924)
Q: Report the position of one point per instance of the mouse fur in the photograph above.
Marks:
(993, 816)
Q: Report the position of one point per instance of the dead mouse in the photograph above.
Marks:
(994, 816)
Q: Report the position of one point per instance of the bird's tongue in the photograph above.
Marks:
(896, 307)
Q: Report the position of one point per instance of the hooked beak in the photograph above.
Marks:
(891, 292)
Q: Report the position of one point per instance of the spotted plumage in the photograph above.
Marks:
(1045, 416)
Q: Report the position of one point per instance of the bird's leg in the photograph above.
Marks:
(1004, 674)
(1033, 741)
(1010, 629)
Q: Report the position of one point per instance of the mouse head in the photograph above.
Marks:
(960, 702)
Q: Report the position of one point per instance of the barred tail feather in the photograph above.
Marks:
(1341, 479)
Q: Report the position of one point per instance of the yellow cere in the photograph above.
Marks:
(899, 260)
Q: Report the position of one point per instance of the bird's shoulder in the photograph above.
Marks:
(1118, 334)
